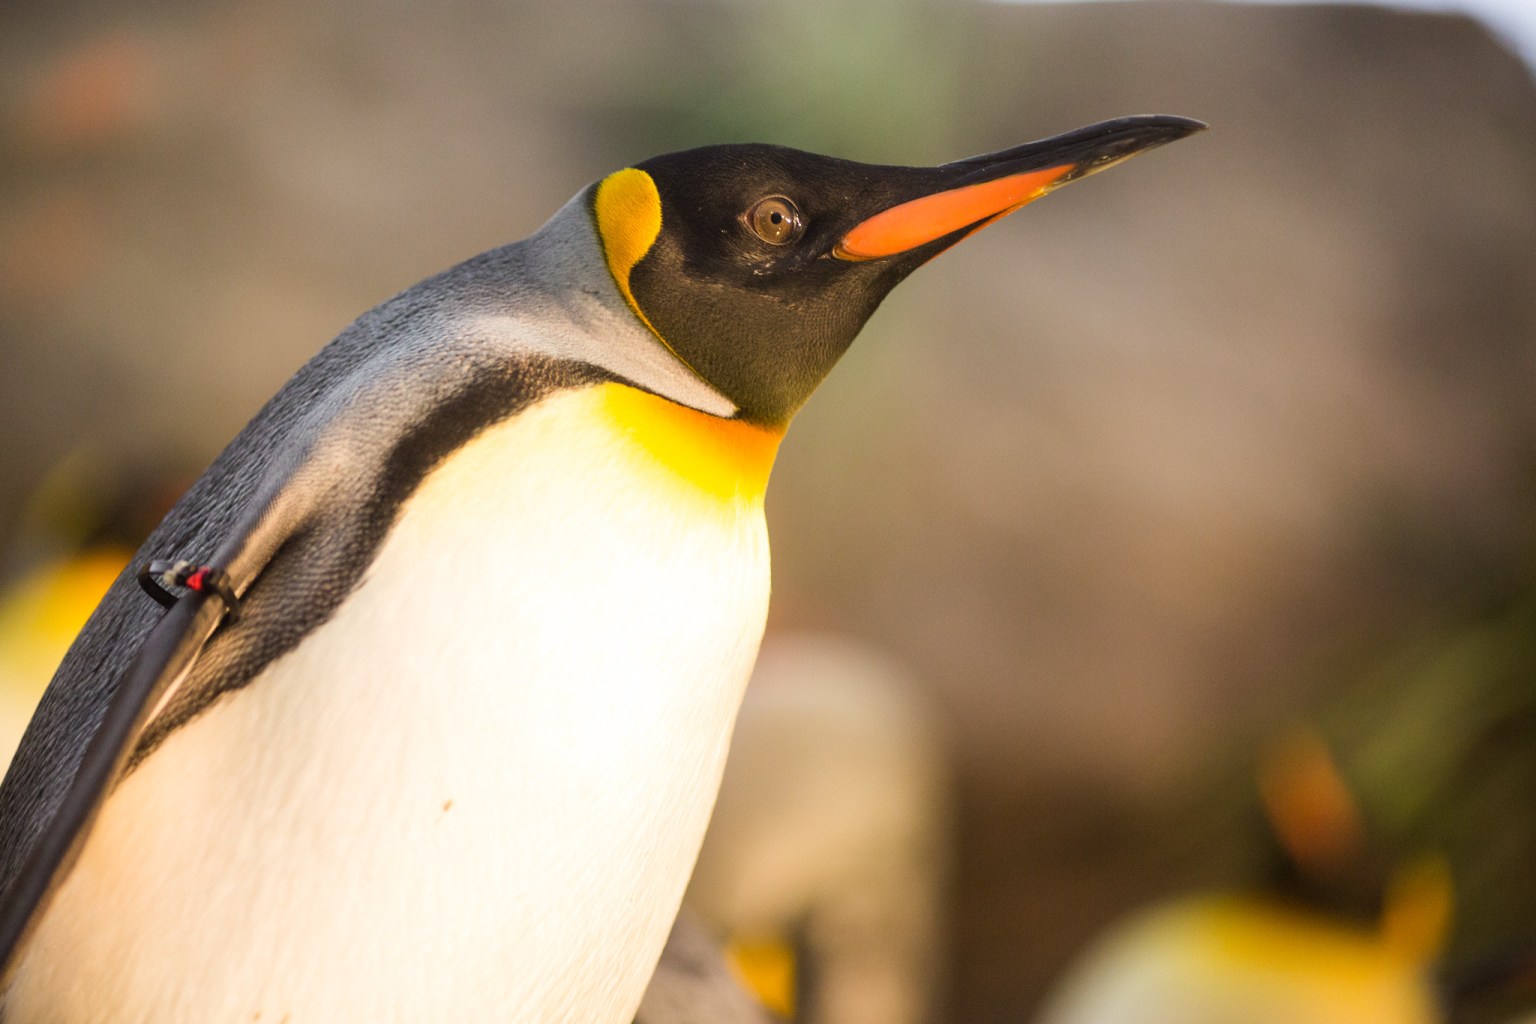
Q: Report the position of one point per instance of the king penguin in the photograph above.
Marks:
(458, 625)
(1333, 931)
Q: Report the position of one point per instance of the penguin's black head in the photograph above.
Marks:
(756, 265)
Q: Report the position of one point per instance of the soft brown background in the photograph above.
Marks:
(1128, 480)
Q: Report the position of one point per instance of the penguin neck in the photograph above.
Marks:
(553, 293)
(726, 459)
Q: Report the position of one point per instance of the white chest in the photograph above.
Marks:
(475, 793)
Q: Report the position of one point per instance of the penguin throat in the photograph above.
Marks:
(729, 460)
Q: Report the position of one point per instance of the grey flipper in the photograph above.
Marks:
(293, 556)
(694, 985)
(295, 508)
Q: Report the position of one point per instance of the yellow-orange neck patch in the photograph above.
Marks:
(1255, 934)
(727, 459)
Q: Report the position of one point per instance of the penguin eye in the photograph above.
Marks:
(775, 220)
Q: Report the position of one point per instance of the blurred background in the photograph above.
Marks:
(1238, 435)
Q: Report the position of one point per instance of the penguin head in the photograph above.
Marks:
(757, 265)
(1324, 857)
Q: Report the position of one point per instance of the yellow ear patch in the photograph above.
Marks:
(628, 211)
(1312, 968)
(727, 459)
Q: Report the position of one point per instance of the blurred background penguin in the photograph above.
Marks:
(1391, 882)
(826, 863)
(1329, 935)
(1439, 741)
(825, 872)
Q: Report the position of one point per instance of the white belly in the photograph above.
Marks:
(475, 794)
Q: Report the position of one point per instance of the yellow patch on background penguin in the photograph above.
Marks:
(1418, 911)
(728, 459)
(41, 613)
(767, 968)
(39, 617)
(1264, 936)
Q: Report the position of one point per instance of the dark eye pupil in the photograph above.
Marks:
(775, 220)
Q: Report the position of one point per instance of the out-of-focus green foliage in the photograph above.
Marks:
(875, 80)
(1441, 743)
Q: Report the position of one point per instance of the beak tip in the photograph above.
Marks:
(1113, 141)
(1185, 125)
(1173, 124)
(1155, 129)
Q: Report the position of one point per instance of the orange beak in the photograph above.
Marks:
(973, 193)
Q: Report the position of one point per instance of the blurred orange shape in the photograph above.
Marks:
(90, 95)
(1308, 803)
